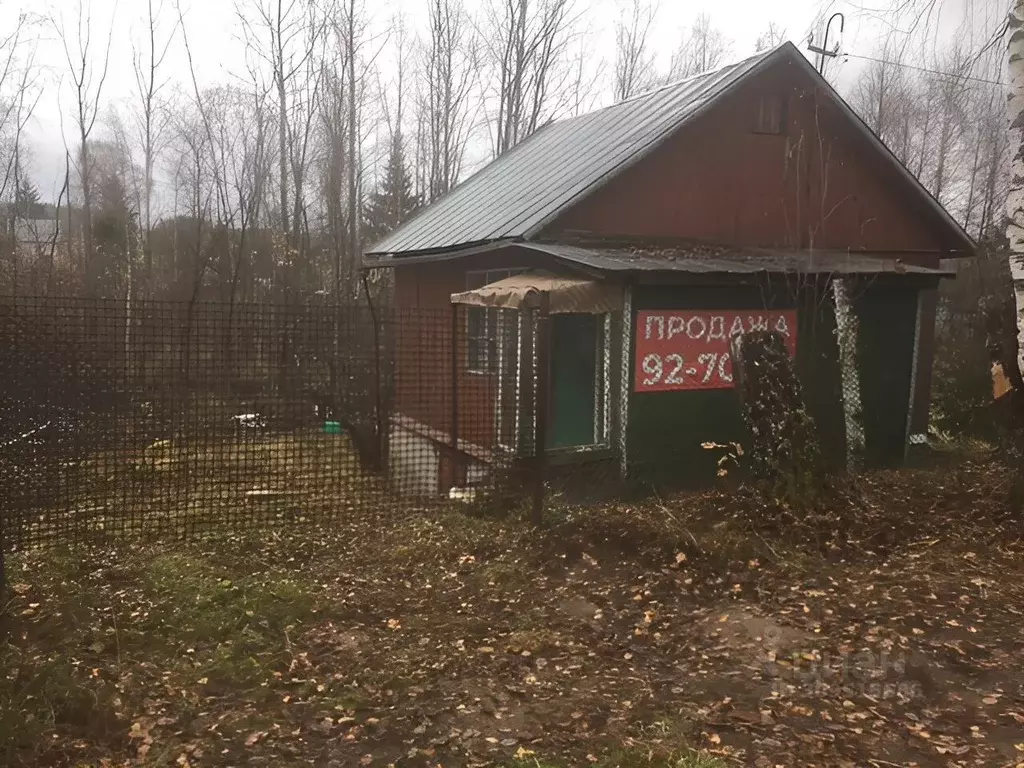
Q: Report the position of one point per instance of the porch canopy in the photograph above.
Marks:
(565, 294)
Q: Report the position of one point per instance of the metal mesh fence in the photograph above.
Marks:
(173, 418)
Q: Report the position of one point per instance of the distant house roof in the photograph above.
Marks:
(517, 194)
(34, 231)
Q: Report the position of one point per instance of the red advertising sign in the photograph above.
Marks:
(682, 349)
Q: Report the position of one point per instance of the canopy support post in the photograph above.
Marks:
(455, 391)
(542, 355)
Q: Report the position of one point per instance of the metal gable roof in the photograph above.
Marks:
(521, 191)
(523, 188)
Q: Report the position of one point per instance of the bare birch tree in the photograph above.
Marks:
(392, 92)
(18, 99)
(951, 90)
(1015, 193)
(704, 48)
(943, 121)
(333, 170)
(150, 120)
(527, 43)
(88, 74)
(193, 204)
(228, 136)
(450, 61)
(581, 87)
(883, 98)
(289, 37)
(350, 22)
(990, 159)
(634, 60)
(774, 35)
(349, 25)
(19, 95)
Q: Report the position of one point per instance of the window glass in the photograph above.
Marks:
(482, 325)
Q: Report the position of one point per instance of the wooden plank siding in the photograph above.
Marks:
(423, 349)
(818, 184)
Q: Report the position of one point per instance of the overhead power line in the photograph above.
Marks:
(923, 69)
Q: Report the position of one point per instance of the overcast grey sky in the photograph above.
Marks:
(214, 37)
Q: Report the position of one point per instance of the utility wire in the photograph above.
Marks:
(922, 69)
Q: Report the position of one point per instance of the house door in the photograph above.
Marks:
(577, 376)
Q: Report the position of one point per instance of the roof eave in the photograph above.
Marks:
(426, 256)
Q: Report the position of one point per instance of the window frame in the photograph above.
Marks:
(488, 337)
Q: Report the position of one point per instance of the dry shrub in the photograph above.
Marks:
(784, 454)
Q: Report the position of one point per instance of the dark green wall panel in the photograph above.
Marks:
(666, 429)
(887, 316)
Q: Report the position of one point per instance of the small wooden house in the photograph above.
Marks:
(749, 197)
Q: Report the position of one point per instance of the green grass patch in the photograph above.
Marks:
(631, 758)
(195, 601)
(643, 758)
(90, 638)
(532, 762)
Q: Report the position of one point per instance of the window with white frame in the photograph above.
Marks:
(482, 325)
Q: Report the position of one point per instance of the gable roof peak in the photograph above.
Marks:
(520, 192)
(689, 78)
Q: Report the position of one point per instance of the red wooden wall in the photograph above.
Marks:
(423, 348)
(818, 184)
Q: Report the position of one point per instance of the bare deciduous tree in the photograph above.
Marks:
(289, 37)
(349, 26)
(87, 87)
(150, 120)
(774, 35)
(703, 49)
(527, 43)
(1015, 193)
(884, 99)
(634, 61)
(943, 122)
(951, 90)
(333, 170)
(18, 99)
(446, 112)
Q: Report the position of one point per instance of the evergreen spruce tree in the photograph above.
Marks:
(27, 203)
(394, 201)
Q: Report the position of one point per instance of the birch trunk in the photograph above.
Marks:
(1015, 195)
(846, 338)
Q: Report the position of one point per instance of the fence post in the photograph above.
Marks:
(542, 354)
(382, 444)
(455, 390)
(3, 559)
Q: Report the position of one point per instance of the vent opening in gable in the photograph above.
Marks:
(770, 114)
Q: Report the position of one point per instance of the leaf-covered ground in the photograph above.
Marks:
(700, 630)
